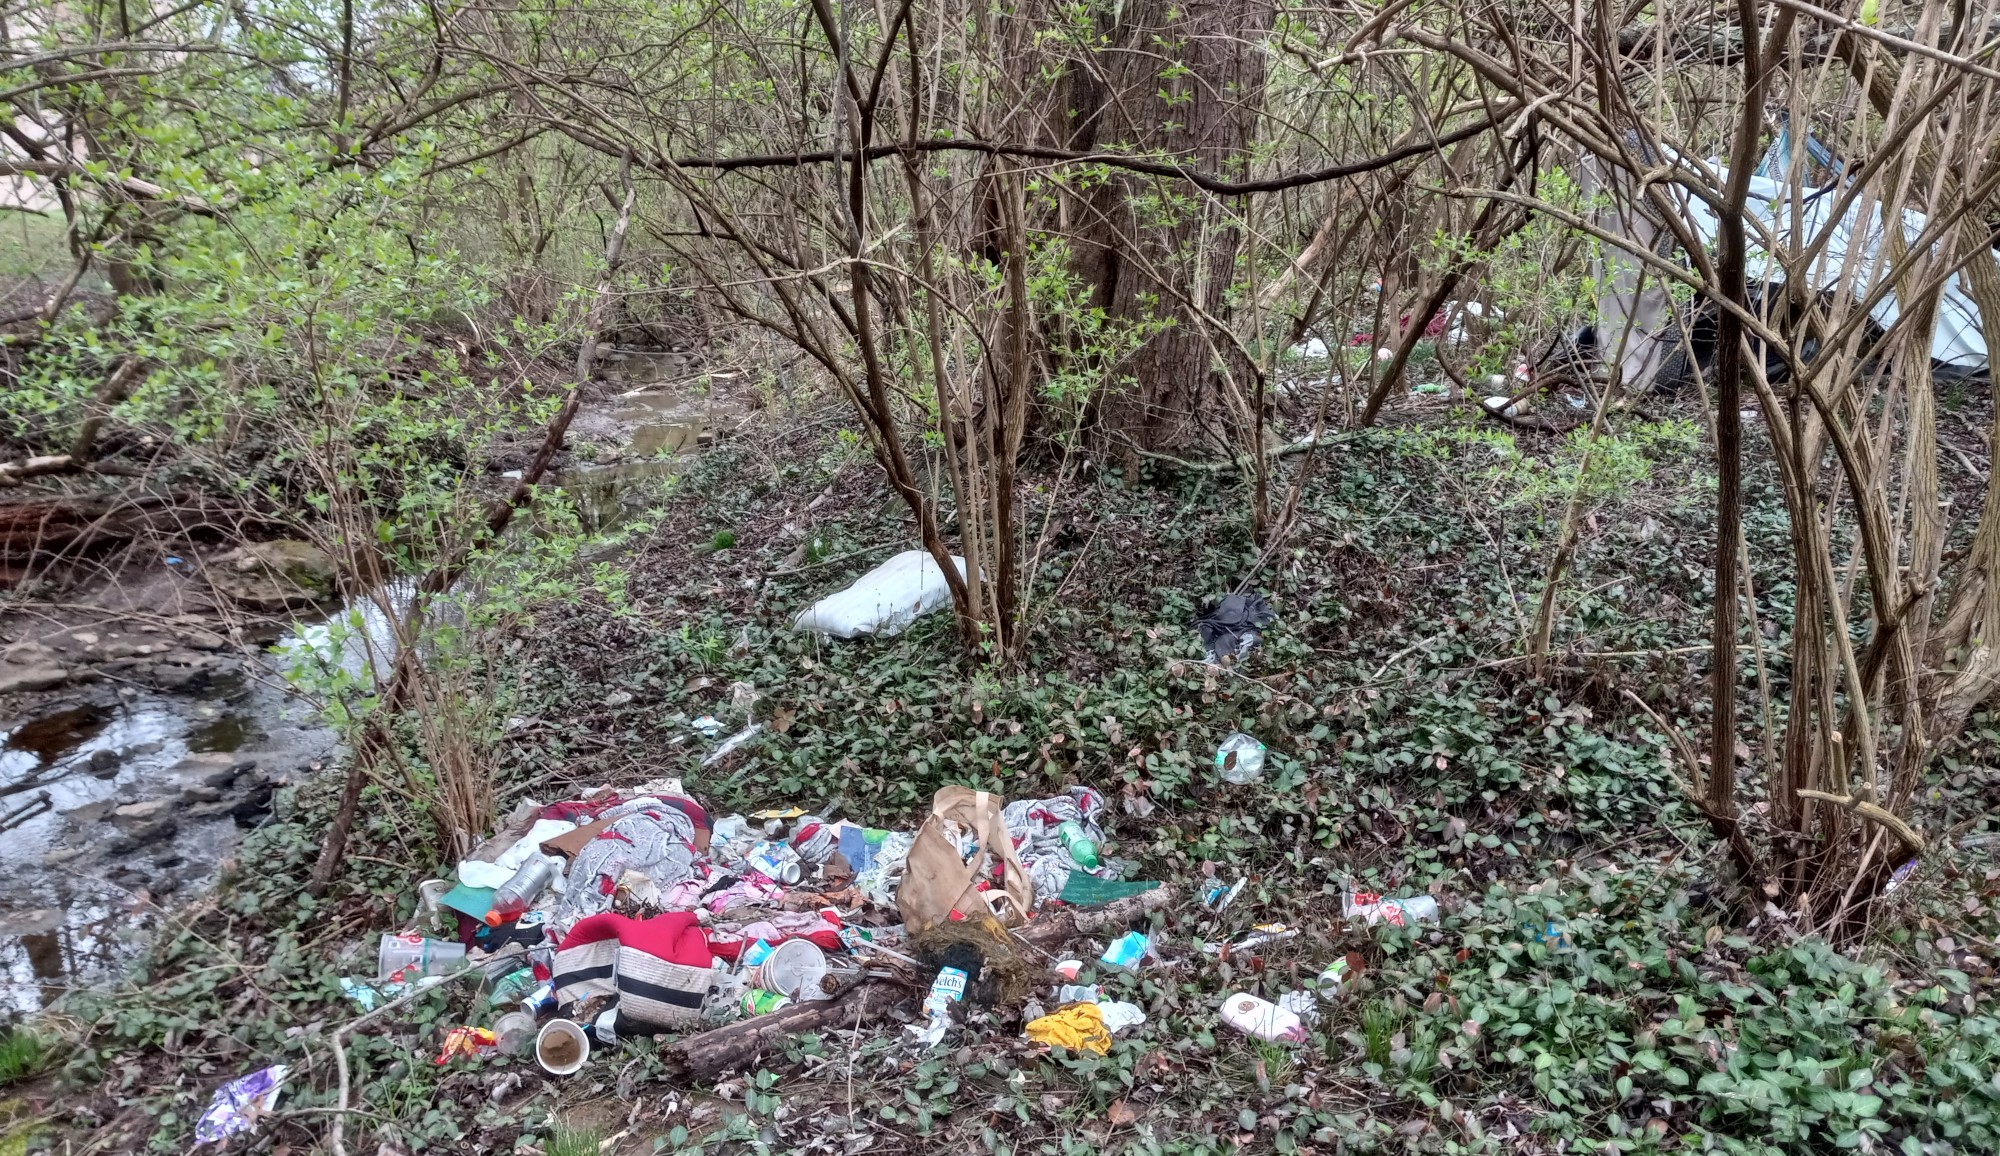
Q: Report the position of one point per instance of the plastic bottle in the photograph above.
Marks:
(512, 987)
(1081, 847)
(1262, 1018)
(1240, 759)
(512, 898)
(776, 862)
(417, 956)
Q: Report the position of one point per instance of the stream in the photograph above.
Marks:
(147, 793)
(127, 783)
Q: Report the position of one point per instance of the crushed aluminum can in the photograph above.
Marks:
(1217, 895)
(541, 999)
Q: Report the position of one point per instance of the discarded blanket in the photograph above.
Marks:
(649, 836)
(822, 928)
(1034, 825)
(656, 970)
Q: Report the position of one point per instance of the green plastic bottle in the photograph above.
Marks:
(1081, 848)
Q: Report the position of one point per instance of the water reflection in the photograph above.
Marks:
(79, 885)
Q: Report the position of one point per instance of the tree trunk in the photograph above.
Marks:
(1184, 81)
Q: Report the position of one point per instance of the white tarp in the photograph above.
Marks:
(1956, 342)
(1637, 328)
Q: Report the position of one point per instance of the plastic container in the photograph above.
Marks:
(1240, 759)
(1079, 993)
(413, 956)
(515, 1032)
(1262, 1018)
(1080, 846)
(794, 968)
(512, 899)
(561, 1048)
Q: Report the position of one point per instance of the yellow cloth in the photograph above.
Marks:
(1078, 1027)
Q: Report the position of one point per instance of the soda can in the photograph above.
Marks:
(757, 1002)
(541, 999)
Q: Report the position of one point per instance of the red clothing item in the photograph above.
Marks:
(675, 936)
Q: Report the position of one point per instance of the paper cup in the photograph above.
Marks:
(561, 1048)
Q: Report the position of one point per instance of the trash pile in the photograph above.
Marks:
(632, 913)
(628, 914)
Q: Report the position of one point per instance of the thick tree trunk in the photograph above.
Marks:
(1184, 80)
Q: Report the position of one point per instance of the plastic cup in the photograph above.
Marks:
(515, 1031)
(561, 1048)
(406, 953)
(793, 967)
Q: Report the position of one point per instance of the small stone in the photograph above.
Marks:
(85, 638)
(202, 794)
(104, 764)
(90, 812)
(64, 855)
(18, 677)
(141, 812)
(275, 575)
(204, 640)
(146, 834)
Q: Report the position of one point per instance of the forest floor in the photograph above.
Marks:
(1597, 982)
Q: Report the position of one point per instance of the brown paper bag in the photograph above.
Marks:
(935, 881)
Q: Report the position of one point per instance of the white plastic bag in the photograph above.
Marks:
(883, 601)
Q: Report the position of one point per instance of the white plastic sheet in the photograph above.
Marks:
(883, 601)
(1637, 324)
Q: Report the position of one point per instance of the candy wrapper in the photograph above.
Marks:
(239, 1104)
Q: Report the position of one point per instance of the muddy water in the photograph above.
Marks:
(82, 883)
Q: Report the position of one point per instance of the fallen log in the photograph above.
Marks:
(72, 525)
(701, 1058)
